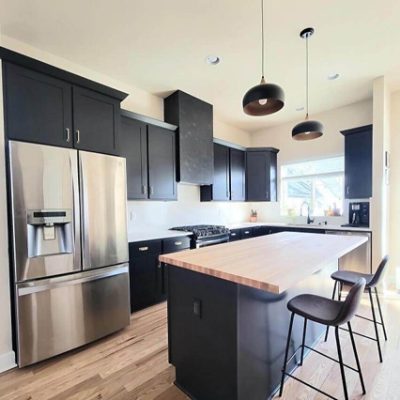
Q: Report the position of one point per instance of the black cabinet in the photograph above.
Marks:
(237, 174)
(161, 159)
(96, 121)
(150, 159)
(148, 276)
(194, 118)
(234, 235)
(358, 162)
(37, 107)
(145, 271)
(261, 174)
(229, 175)
(43, 109)
(133, 143)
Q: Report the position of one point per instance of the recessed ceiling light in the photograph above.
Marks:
(212, 60)
(300, 108)
(333, 77)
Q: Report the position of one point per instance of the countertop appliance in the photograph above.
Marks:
(358, 214)
(360, 259)
(69, 248)
(205, 235)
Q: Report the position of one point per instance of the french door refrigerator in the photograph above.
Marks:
(69, 248)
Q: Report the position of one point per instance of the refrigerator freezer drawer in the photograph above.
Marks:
(59, 314)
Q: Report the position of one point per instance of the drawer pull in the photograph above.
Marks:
(143, 248)
(233, 234)
(246, 232)
(177, 243)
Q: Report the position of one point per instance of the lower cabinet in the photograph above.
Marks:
(148, 277)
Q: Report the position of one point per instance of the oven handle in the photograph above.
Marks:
(204, 243)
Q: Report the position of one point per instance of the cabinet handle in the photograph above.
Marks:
(233, 234)
(67, 131)
(177, 243)
(246, 232)
(347, 189)
(78, 136)
(143, 248)
(159, 265)
(144, 189)
(151, 190)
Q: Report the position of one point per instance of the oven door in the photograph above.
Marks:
(211, 241)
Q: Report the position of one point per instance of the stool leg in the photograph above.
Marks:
(380, 312)
(286, 354)
(346, 396)
(375, 325)
(340, 291)
(304, 339)
(353, 343)
(333, 298)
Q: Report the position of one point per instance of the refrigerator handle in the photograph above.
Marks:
(84, 214)
(76, 210)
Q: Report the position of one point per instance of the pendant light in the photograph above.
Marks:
(308, 129)
(265, 98)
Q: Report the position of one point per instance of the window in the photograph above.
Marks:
(320, 183)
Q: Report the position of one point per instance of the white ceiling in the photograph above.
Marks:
(161, 46)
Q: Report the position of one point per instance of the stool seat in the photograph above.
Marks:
(316, 308)
(351, 277)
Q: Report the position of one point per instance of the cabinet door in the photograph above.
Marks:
(38, 108)
(261, 179)
(133, 146)
(237, 175)
(220, 187)
(358, 164)
(96, 121)
(161, 160)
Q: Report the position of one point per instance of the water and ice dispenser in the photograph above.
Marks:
(50, 232)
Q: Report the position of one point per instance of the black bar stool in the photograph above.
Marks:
(330, 313)
(372, 281)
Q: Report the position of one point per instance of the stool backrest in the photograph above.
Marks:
(350, 305)
(379, 272)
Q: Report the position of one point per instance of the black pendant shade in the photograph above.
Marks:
(263, 99)
(307, 130)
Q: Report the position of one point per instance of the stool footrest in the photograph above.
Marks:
(359, 334)
(368, 319)
(310, 386)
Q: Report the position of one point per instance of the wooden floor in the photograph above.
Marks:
(133, 365)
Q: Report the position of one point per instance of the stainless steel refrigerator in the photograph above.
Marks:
(70, 248)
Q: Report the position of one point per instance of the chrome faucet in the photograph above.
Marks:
(309, 219)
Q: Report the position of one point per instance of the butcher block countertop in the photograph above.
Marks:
(273, 263)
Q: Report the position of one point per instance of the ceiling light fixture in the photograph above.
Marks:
(308, 129)
(333, 77)
(212, 60)
(265, 98)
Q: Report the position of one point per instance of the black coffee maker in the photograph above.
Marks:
(358, 214)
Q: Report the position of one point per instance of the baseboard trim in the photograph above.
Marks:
(7, 361)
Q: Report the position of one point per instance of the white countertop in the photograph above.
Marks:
(311, 226)
(150, 234)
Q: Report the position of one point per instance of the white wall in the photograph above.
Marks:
(330, 144)
(380, 189)
(7, 359)
(394, 228)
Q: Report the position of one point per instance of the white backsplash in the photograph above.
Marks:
(188, 210)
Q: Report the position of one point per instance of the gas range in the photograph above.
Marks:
(205, 235)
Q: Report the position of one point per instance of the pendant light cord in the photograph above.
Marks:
(262, 39)
(307, 74)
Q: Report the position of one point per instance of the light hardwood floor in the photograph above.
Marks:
(133, 365)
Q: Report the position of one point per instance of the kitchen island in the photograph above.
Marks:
(227, 315)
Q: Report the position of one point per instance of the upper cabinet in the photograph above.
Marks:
(229, 175)
(149, 150)
(358, 162)
(46, 105)
(194, 119)
(261, 174)
(38, 108)
(96, 121)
